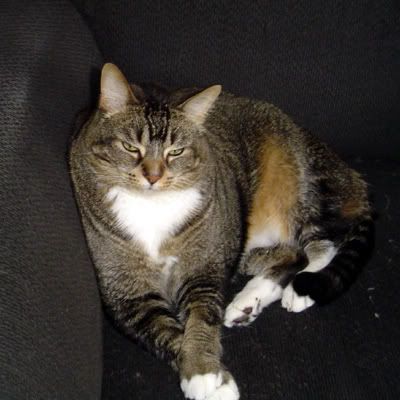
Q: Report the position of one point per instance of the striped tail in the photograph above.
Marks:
(326, 285)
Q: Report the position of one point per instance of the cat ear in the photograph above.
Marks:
(197, 106)
(115, 92)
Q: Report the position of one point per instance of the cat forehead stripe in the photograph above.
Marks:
(157, 117)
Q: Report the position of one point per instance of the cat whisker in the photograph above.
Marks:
(108, 176)
(99, 175)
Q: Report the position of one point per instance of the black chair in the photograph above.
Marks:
(334, 66)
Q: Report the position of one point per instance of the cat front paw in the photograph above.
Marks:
(227, 391)
(248, 304)
(293, 302)
(201, 387)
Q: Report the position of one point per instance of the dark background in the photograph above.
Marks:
(333, 65)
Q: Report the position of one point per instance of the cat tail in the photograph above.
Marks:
(327, 284)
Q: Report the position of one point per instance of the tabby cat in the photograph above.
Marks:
(176, 188)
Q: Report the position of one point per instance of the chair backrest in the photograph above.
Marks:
(333, 65)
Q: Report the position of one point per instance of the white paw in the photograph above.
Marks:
(199, 387)
(248, 304)
(293, 302)
(227, 391)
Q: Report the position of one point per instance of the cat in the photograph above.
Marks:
(176, 188)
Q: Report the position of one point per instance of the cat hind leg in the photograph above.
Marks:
(295, 296)
(251, 300)
(272, 269)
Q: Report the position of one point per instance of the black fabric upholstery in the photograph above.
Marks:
(333, 65)
(50, 315)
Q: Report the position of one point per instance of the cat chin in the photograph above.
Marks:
(143, 189)
(151, 190)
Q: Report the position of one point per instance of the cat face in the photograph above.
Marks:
(144, 145)
(160, 150)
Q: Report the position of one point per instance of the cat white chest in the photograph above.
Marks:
(152, 217)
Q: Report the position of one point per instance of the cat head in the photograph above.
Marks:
(144, 143)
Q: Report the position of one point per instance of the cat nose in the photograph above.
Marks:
(153, 170)
(153, 178)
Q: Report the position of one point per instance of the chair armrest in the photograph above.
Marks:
(50, 311)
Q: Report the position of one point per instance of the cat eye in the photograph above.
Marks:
(176, 152)
(131, 148)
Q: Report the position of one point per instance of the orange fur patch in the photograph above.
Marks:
(352, 208)
(276, 194)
